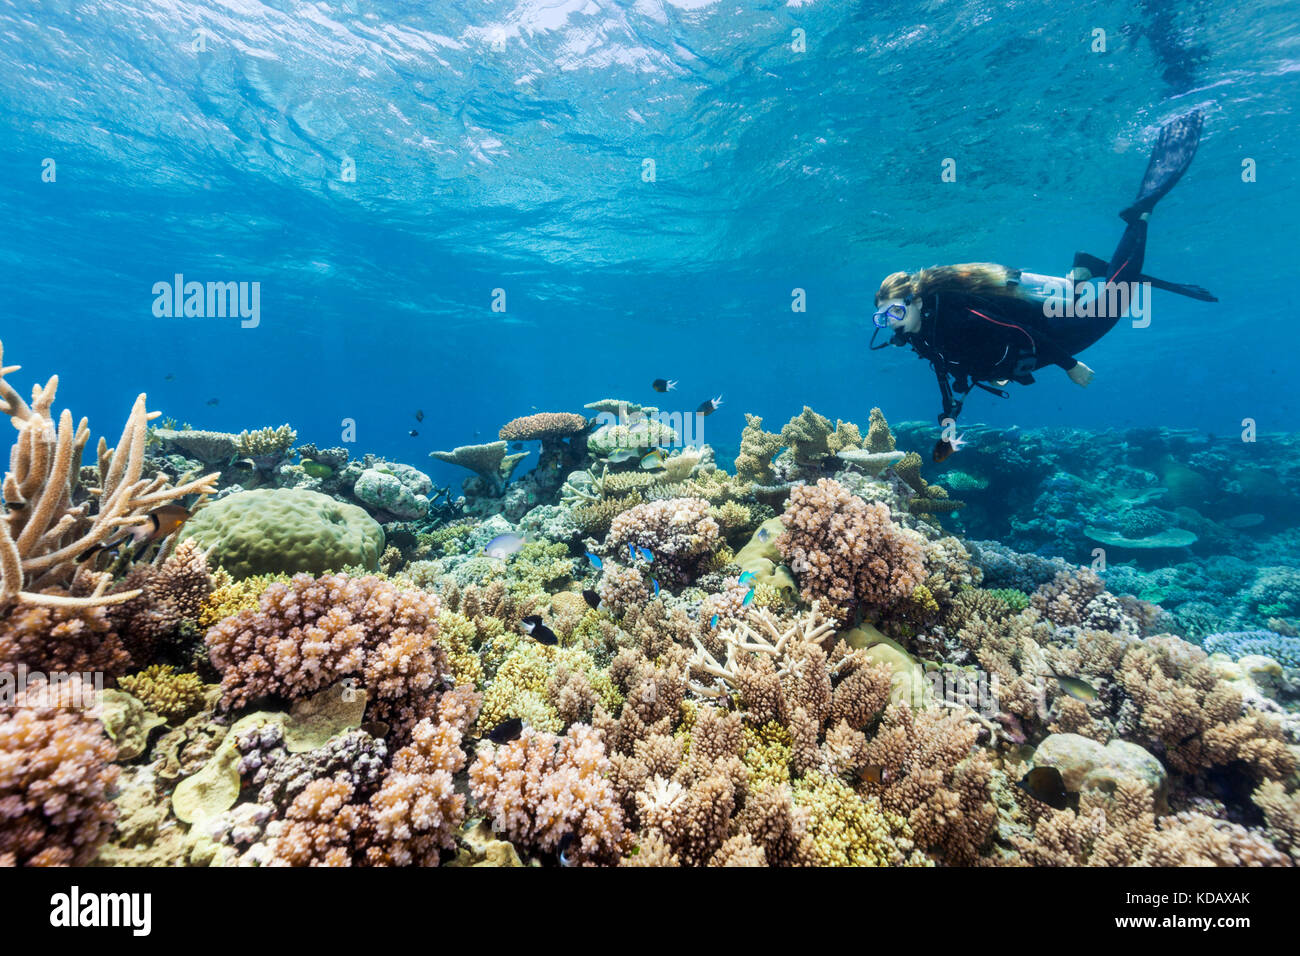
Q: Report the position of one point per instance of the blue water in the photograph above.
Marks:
(501, 145)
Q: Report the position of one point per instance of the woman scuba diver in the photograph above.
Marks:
(980, 323)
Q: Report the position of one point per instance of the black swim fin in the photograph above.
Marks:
(1097, 267)
(1172, 154)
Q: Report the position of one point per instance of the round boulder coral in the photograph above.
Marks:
(286, 530)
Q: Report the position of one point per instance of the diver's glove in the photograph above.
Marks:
(1080, 374)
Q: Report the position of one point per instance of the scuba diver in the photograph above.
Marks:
(982, 324)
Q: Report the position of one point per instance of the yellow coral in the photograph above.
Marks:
(848, 830)
(767, 753)
(236, 596)
(165, 691)
(457, 634)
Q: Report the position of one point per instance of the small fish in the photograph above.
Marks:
(1045, 785)
(944, 448)
(655, 582)
(562, 851)
(538, 631)
(504, 545)
(749, 598)
(1078, 689)
(873, 773)
(247, 464)
(169, 377)
(763, 534)
(620, 455)
(709, 407)
(592, 599)
(728, 701)
(162, 522)
(713, 622)
(15, 505)
(646, 553)
(214, 401)
(745, 577)
(314, 468)
(664, 384)
(653, 460)
(517, 446)
(509, 729)
(413, 433)
(419, 414)
(631, 551)
(595, 561)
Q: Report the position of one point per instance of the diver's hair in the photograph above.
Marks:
(981, 278)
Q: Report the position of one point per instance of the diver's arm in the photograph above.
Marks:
(951, 406)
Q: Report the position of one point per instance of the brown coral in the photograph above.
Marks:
(846, 552)
(55, 778)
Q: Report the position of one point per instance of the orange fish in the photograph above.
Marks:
(162, 522)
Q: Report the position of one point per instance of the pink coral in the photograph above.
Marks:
(56, 776)
(310, 633)
(846, 552)
(540, 788)
(679, 532)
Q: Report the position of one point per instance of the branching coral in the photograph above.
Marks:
(165, 691)
(540, 788)
(55, 778)
(312, 632)
(679, 532)
(42, 532)
(846, 552)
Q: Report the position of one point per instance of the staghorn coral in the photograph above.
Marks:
(540, 787)
(846, 552)
(42, 532)
(55, 777)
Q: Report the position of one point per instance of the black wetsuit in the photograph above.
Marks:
(974, 339)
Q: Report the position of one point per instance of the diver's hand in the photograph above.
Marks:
(1080, 374)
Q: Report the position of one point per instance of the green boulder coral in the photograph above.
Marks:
(288, 530)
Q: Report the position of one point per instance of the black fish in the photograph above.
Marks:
(664, 384)
(413, 433)
(1046, 785)
(538, 631)
(517, 446)
(245, 463)
(169, 377)
(214, 401)
(592, 599)
(709, 407)
(419, 414)
(507, 730)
